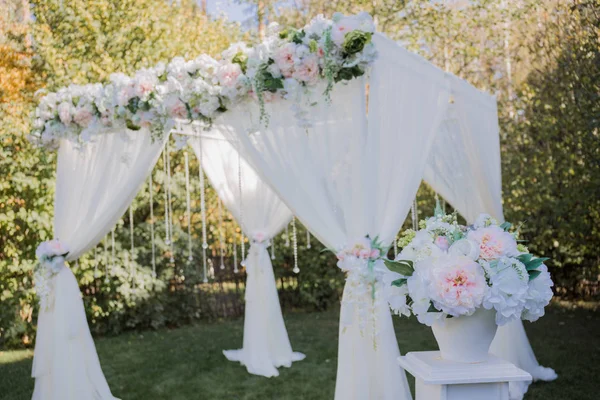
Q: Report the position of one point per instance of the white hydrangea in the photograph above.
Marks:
(509, 284)
(538, 295)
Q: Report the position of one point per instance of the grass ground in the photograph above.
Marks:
(187, 363)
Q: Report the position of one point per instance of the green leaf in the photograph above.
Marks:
(534, 274)
(131, 126)
(535, 263)
(399, 282)
(525, 258)
(432, 308)
(403, 267)
(506, 226)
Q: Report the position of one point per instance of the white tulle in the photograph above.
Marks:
(472, 183)
(95, 184)
(266, 344)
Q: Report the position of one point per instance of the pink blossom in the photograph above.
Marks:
(442, 242)
(83, 117)
(143, 88)
(259, 236)
(228, 74)
(457, 285)
(494, 242)
(342, 27)
(284, 58)
(176, 108)
(375, 253)
(308, 70)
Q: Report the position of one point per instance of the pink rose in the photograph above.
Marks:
(284, 58)
(83, 117)
(228, 74)
(308, 70)
(176, 108)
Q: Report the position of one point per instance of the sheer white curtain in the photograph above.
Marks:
(94, 186)
(346, 177)
(464, 167)
(266, 345)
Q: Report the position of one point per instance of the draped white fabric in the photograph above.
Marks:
(464, 162)
(346, 177)
(94, 186)
(262, 215)
(464, 167)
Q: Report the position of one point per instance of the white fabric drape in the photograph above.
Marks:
(464, 162)
(94, 186)
(346, 177)
(464, 167)
(266, 344)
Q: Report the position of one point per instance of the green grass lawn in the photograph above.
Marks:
(187, 363)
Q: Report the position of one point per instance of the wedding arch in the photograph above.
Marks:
(339, 121)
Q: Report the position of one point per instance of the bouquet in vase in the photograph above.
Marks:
(447, 270)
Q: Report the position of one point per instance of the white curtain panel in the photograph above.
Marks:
(261, 214)
(95, 184)
(464, 167)
(464, 162)
(347, 176)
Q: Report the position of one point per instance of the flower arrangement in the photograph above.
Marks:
(51, 258)
(449, 270)
(363, 263)
(289, 64)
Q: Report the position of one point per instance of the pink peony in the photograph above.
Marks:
(494, 242)
(228, 74)
(308, 70)
(457, 285)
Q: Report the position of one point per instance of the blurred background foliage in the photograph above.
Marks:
(540, 58)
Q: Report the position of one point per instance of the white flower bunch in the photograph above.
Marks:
(290, 64)
(51, 259)
(449, 270)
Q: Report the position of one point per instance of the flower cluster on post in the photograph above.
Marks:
(450, 270)
(51, 259)
(290, 64)
(363, 263)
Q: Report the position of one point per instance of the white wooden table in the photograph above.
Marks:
(438, 379)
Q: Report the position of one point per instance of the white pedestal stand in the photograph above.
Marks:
(438, 379)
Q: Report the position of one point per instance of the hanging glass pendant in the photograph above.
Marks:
(166, 196)
(187, 203)
(295, 244)
(202, 211)
(307, 239)
(221, 236)
(152, 239)
(242, 245)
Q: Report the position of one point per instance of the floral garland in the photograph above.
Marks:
(51, 259)
(449, 270)
(289, 64)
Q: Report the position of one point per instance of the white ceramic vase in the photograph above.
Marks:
(466, 339)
